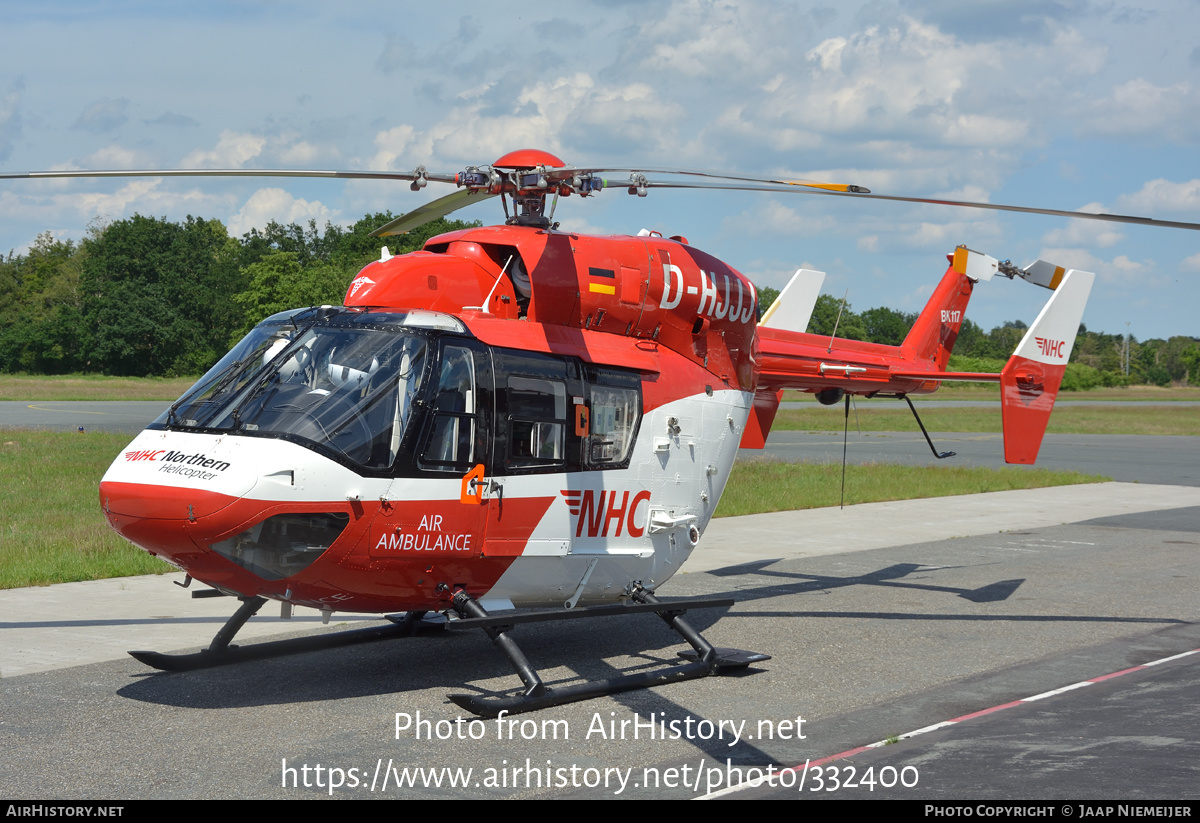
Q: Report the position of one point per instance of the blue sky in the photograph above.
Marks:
(1071, 105)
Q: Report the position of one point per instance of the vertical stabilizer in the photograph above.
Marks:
(1030, 380)
(932, 337)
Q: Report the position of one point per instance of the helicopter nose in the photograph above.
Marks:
(162, 519)
(165, 482)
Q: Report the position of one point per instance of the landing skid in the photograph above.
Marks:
(220, 653)
(707, 659)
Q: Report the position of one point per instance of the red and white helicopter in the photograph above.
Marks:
(518, 417)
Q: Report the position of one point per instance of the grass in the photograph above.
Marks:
(769, 486)
(91, 387)
(51, 526)
(991, 391)
(1112, 419)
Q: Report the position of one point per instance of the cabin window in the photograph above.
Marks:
(537, 415)
(614, 422)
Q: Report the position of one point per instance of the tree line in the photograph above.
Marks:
(145, 296)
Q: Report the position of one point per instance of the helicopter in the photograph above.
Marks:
(518, 424)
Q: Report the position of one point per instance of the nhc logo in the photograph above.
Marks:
(1050, 348)
(598, 517)
(145, 454)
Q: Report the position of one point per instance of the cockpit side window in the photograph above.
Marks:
(451, 440)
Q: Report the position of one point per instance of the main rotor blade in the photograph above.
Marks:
(345, 175)
(431, 211)
(1081, 215)
(568, 171)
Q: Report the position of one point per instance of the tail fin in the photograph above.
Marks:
(1030, 380)
(933, 336)
(793, 307)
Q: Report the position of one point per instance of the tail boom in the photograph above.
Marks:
(1030, 381)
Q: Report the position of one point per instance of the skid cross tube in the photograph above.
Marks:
(467, 606)
(708, 660)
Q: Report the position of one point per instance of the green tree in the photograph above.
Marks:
(278, 282)
(829, 314)
(348, 248)
(887, 326)
(971, 341)
(766, 296)
(156, 296)
(40, 308)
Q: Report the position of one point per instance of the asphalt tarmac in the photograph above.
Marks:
(881, 620)
(865, 645)
(1130, 458)
(129, 416)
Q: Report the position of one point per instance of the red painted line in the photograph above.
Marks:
(851, 752)
(1115, 674)
(982, 712)
(833, 757)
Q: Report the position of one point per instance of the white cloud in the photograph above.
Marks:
(144, 195)
(1140, 107)
(945, 236)
(1163, 195)
(301, 154)
(10, 117)
(275, 204)
(112, 157)
(1121, 270)
(1085, 232)
(579, 225)
(390, 145)
(900, 78)
(103, 115)
(698, 39)
(771, 217)
(233, 149)
(549, 114)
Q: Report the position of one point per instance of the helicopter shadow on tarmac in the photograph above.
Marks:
(894, 576)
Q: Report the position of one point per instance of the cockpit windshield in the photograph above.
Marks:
(339, 378)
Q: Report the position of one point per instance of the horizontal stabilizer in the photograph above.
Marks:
(793, 308)
(1030, 381)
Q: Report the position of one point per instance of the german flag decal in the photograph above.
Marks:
(603, 281)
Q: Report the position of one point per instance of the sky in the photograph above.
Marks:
(1071, 104)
